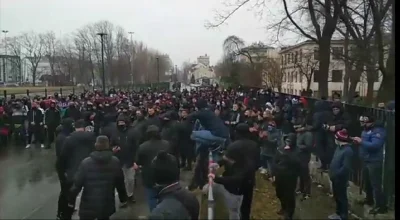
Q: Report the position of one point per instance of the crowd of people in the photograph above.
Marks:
(102, 140)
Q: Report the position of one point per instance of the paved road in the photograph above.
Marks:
(29, 186)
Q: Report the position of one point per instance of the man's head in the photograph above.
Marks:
(121, 122)
(153, 132)
(342, 137)
(165, 169)
(80, 125)
(151, 111)
(102, 143)
(368, 120)
(336, 107)
(235, 107)
(184, 113)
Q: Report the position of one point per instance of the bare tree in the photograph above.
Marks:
(33, 48)
(272, 74)
(49, 51)
(306, 66)
(14, 49)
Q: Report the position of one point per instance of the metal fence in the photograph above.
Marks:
(388, 119)
(36, 91)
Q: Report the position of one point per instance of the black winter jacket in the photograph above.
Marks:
(99, 175)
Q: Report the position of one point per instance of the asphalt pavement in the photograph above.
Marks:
(29, 186)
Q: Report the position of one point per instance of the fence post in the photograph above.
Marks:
(73, 90)
(45, 92)
(27, 92)
(61, 91)
(5, 94)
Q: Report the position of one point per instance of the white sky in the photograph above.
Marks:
(175, 27)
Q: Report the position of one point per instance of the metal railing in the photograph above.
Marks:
(211, 201)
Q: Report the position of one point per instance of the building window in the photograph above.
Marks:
(316, 73)
(291, 77)
(316, 53)
(337, 53)
(295, 92)
(295, 57)
(295, 76)
(300, 78)
(292, 57)
(288, 58)
(301, 55)
(337, 75)
(282, 60)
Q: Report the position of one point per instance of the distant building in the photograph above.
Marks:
(258, 53)
(201, 74)
(300, 59)
(205, 60)
(42, 69)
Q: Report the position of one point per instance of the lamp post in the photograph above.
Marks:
(131, 33)
(158, 70)
(5, 58)
(176, 73)
(102, 60)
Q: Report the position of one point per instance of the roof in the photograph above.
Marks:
(307, 42)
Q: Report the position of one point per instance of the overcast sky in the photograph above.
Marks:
(175, 27)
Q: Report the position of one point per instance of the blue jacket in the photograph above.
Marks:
(340, 166)
(210, 122)
(372, 144)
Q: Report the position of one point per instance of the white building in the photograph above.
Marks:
(301, 60)
(205, 60)
(43, 68)
(202, 74)
(258, 53)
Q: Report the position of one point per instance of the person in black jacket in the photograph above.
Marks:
(35, 127)
(286, 170)
(174, 202)
(64, 131)
(233, 181)
(52, 119)
(251, 151)
(145, 154)
(99, 175)
(76, 147)
(72, 112)
(169, 130)
(186, 145)
(124, 148)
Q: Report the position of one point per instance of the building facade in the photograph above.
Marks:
(205, 60)
(300, 63)
(201, 74)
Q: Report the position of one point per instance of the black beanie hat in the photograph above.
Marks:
(165, 169)
(201, 103)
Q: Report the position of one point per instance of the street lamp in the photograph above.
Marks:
(5, 51)
(102, 60)
(158, 70)
(131, 33)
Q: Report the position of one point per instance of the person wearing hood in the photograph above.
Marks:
(323, 138)
(186, 145)
(169, 130)
(35, 127)
(139, 126)
(251, 151)
(152, 117)
(99, 175)
(51, 120)
(144, 157)
(72, 112)
(285, 171)
(76, 147)
(124, 148)
(237, 172)
(63, 131)
(174, 201)
(371, 145)
(270, 141)
(339, 173)
(304, 142)
(233, 119)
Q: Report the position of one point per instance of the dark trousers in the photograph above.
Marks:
(37, 132)
(245, 209)
(372, 174)
(201, 169)
(89, 218)
(64, 211)
(187, 156)
(305, 179)
(324, 148)
(285, 188)
(339, 188)
(51, 133)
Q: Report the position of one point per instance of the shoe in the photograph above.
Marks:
(28, 146)
(381, 210)
(42, 146)
(280, 212)
(123, 205)
(305, 197)
(366, 202)
(334, 216)
(131, 199)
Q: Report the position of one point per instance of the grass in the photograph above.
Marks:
(265, 204)
(20, 90)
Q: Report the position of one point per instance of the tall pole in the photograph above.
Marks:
(131, 33)
(5, 51)
(102, 60)
(176, 73)
(158, 70)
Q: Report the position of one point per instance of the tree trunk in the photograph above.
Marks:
(324, 62)
(347, 68)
